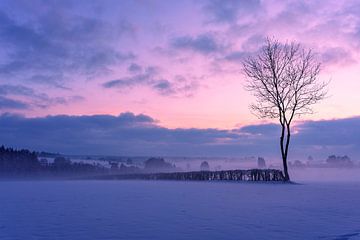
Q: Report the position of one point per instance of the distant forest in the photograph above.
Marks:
(25, 163)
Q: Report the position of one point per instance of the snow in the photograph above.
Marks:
(178, 210)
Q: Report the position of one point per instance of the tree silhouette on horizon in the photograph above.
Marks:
(283, 77)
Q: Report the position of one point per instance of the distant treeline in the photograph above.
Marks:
(16, 161)
(333, 161)
(23, 162)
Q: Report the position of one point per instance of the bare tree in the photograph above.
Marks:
(283, 78)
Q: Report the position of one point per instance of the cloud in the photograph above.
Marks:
(151, 77)
(124, 134)
(11, 104)
(247, 48)
(127, 82)
(57, 43)
(345, 132)
(337, 56)
(261, 129)
(55, 80)
(164, 86)
(319, 138)
(228, 11)
(131, 134)
(134, 68)
(236, 56)
(179, 86)
(146, 76)
(30, 99)
(203, 43)
(6, 89)
(332, 30)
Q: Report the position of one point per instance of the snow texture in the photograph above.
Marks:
(178, 210)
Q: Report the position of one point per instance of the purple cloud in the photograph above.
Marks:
(130, 134)
(204, 43)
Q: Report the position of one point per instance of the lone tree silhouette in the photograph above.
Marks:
(283, 78)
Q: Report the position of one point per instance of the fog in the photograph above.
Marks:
(325, 175)
(320, 173)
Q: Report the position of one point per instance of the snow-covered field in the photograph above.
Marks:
(178, 210)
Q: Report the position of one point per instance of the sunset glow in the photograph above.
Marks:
(178, 62)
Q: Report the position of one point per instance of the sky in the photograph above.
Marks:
(148, 77)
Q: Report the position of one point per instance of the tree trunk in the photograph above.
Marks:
(284, 146)
(287, 177)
